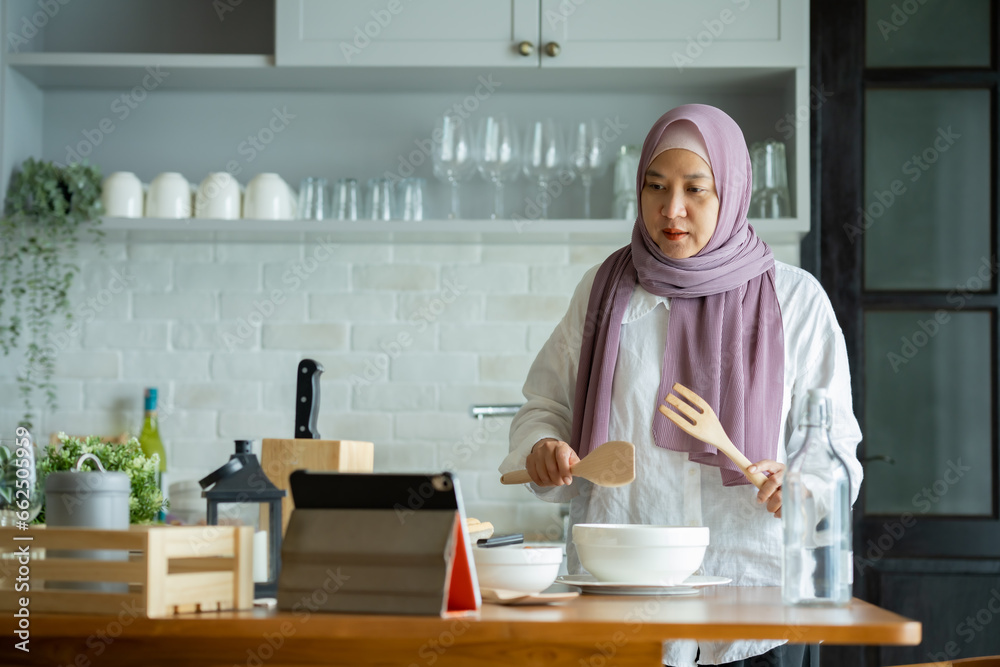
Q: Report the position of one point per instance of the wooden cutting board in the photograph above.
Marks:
(281, 457)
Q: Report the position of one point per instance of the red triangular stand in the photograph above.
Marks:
(463, 587)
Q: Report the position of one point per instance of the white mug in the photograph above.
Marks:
(268, 197)
(121, 195)
(218, 197)
(169, 196)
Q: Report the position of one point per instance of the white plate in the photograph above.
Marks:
(589, 584)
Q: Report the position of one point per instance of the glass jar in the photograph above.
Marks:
(770, 181)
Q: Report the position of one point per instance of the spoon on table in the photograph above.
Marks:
(501, 596)
(610, 464)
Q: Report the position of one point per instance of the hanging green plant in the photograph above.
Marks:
(48, 209)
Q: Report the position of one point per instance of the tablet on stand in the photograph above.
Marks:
(377, 543)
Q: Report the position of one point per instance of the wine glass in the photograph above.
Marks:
(20, 492)
(497, 156)
(544, 154)
(587, 156)
(453, 155)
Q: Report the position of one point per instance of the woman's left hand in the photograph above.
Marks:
(770, 491)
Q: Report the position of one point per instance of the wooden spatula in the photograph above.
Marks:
(610, 464)
(704, 424)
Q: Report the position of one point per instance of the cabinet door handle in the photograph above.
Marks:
(525, 48)
(552, 49)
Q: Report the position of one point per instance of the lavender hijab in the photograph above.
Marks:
(725, 339)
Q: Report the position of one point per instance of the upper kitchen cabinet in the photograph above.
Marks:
(394, 33)
(676, 34)
(541, 33)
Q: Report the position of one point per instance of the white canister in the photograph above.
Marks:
(218, 197)
(122, 195)
(84, 499)
(169, 196)
(269, 197)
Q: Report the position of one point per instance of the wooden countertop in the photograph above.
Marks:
(587, 628)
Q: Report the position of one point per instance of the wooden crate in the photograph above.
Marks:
(171, 569)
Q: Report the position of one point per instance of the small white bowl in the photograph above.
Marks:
(640, 554)
(517, 568)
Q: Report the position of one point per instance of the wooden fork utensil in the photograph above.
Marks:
(701, 422)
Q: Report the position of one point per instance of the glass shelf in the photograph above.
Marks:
(785, 230)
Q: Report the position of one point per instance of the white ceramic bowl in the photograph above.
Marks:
(517, 568)
(640, 554)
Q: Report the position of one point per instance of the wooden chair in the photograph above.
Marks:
(985, 661)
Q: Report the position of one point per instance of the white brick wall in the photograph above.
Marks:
(410, 336)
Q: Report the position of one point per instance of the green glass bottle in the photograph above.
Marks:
(149, 438)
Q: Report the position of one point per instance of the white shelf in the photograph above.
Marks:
(398, 231)
(258, 72)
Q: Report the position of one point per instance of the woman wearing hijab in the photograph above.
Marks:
(695, 298)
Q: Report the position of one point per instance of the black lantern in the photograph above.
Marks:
(243, 491)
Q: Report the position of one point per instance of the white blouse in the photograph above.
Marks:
(745, 539)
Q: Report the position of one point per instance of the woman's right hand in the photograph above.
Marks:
(549, 462)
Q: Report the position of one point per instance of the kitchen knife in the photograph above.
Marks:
(307, 399)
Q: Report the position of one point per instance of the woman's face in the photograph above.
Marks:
(680, 205)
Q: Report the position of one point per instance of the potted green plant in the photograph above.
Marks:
(47, 210)
(146, 500)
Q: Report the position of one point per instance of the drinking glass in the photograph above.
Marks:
(544, 157)
(453, 161)
(410, 202)
(20, 492)
(770, 180)
(313, 199)
(378, 204)
(345, 199)
(626, 168)
(497, 156)
(587, 156)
